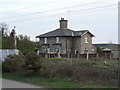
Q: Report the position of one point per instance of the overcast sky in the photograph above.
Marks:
(35, 17)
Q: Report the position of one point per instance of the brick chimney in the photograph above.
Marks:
(63, 23)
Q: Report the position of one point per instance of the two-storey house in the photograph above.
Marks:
(66, 41)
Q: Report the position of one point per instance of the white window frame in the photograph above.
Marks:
(57, 40)
(48, 50)
(45, 40)
(45, 50)
(86, 39)
(75, 51)
(93, 51)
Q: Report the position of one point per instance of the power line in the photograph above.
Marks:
(94, 11)
(58, 14)
(96, 8)
(30, 6)
(55, 9)
(70, 12)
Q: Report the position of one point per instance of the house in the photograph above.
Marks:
(66, 41)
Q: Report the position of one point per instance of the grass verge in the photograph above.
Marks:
(52, 82)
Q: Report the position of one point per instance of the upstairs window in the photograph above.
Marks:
(57, 40)
(86, 40)
(92, 51)
(45, 40)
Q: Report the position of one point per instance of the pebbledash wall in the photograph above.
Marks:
(5, 52)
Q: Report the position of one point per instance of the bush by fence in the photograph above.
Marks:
(32, 64)
(75, 69)
(26, 64)
(13, 63)
(79, 56)
(79, 70)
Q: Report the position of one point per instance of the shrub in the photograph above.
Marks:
(13, 64)
(59, 69)
(28, 64)
(77, 70)
(32, 64)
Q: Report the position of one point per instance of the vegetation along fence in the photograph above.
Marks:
(79, 56)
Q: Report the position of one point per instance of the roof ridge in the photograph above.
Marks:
(63, 32)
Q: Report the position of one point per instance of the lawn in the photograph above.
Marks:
(53, 82)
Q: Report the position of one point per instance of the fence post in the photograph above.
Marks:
(68, 55)
(78, 55)
(97, 55)
(49, 55)
(105, 55)
(110, 56)
(71, 55)
(46, 55)
(87, 55)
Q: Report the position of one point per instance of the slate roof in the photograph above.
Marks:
(63, 32)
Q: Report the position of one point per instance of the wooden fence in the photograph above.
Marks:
(79, 56)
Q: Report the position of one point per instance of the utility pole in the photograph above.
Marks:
(118, 45)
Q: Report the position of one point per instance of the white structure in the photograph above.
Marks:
(5, 52)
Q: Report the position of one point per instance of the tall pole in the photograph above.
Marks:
(118, 45)
(15, 42)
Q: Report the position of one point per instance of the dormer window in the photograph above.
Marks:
(57, 40)
(86, 40)
(45, 40)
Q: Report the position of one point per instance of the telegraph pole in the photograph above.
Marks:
(118, 45)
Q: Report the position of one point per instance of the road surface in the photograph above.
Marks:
(15, 84)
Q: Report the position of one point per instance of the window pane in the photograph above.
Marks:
(45, 41)
(57, 39)
(86, 40)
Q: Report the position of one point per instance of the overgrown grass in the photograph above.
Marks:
(53, 82)
(70, 73)
(98, 63)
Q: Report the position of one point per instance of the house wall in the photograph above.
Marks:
(67, 45)
(64, 45)
(88, 45)
(76, 44)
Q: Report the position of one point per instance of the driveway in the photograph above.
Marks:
(15, 84)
